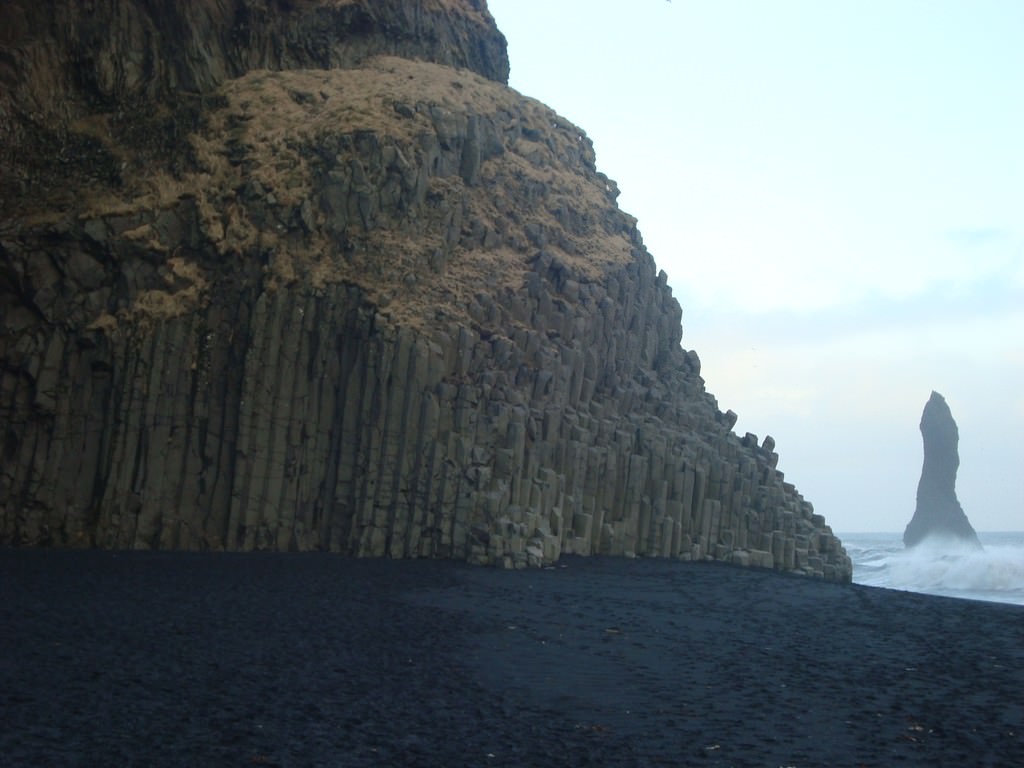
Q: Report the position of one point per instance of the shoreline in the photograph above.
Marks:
(317, 659)
(992, 573)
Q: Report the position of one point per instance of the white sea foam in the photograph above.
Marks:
(940, 567)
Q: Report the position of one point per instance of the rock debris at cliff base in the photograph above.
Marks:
(379, 304)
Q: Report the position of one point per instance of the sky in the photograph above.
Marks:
(835, 189)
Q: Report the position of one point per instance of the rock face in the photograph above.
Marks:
(938, 513)
(309, 275)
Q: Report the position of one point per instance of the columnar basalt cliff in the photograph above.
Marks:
(309, 275)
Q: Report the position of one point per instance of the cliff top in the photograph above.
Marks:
(61, 61)
(476, 180)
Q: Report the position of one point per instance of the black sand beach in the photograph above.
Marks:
(156, 659)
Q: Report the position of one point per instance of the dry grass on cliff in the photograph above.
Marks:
(275, 115)
(274, 127)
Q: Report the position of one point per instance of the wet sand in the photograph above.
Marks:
(161, 659)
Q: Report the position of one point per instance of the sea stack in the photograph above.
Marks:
(938, 513)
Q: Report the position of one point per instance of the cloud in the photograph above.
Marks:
(993, 306)
(981, 236)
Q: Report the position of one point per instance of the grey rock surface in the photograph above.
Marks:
(938, 513)
(369, 304)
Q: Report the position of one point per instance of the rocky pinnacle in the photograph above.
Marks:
(938, 513)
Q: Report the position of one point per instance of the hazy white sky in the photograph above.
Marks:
(836, 191)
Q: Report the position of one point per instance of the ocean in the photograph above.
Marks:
(995, 573)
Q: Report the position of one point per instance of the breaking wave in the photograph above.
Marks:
(942, 567)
